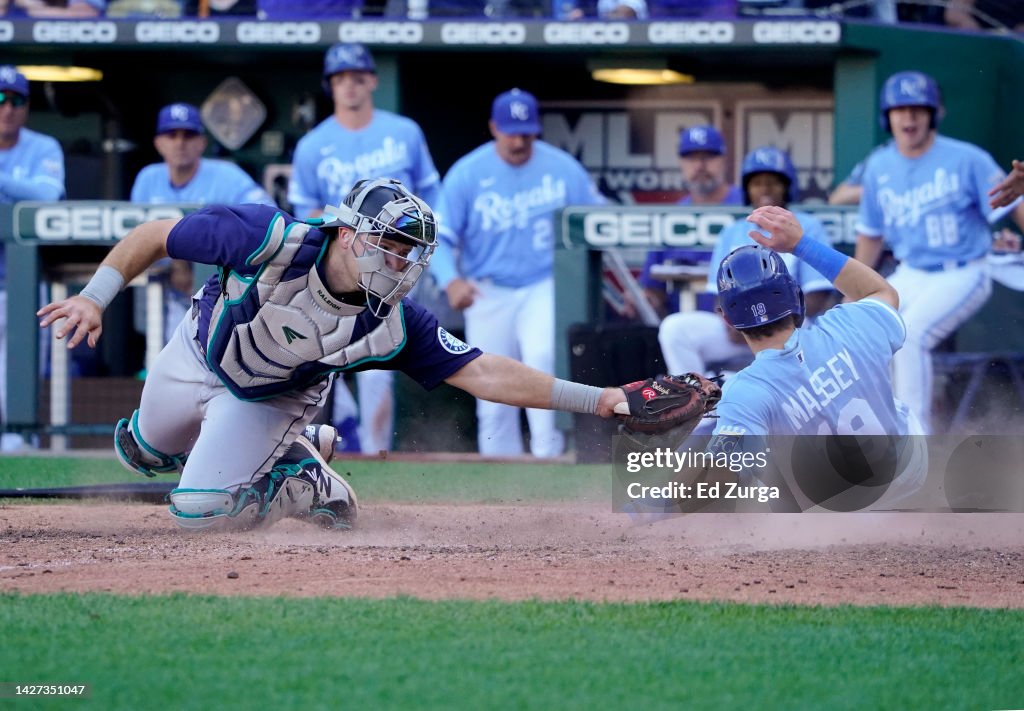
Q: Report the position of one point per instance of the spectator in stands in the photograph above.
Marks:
(292, 10)
(46, 9)
(702, 162)
(606, 9)
(985, 15)
(693, 8)
(219, 8)
(185, 177)
(31, 168)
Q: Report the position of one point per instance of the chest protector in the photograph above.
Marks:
(280, 330)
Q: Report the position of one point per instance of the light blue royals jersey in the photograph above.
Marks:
(933, 209)
(832, 377)
(737, 235)
(330, 159)
(32, 169)
(217, 182)
(500, 217)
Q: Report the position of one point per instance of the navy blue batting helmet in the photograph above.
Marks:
(769, 159)
(909, 89)
(346, 57)
(755, 288)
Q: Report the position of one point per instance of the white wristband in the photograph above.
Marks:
(105, 284)
(575, 397)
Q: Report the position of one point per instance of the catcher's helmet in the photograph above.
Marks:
(909, 89)
(346, 57)
(769, 159)
(383, 209)
(755, 288)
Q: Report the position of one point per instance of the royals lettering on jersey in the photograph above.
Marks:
(832, 377)
(932, 209)
(330, 159)
(270, 326)
(498, 212)
(499, 218)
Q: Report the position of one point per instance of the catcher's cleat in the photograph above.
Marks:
(324, 437)
(334, 501)
(137, 456)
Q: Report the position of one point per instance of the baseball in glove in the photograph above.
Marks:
(666, 402)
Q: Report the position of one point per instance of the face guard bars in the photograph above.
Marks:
(396, 234)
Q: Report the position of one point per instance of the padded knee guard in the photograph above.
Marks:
(137, 456)
(267, 501)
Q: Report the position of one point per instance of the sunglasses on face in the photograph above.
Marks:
(15, 100)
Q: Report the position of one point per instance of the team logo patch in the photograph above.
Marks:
(450, 343)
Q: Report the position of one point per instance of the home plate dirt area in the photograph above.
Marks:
(527, 551)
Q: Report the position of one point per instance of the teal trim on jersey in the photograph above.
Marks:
(389, 356)
(266, 239)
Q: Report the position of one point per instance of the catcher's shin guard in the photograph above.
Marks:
(137, 456)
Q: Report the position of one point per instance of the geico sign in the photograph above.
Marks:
(483, 33)
(183, 32)
(586, 33)
(6, 31)
(92, 222)
(383, 32)
(278, 32)
(691, 32)
(645, 229)
(80, 31)
(796, 32)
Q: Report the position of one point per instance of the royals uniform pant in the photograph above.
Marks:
(230, 442)
(933, 305)
(518, 323)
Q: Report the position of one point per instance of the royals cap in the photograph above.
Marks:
(179, 116)
(701, 138)
(515, 112)
(13, 80)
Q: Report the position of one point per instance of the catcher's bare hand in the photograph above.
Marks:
(663, 403)
(1010, 189)
(780, 223)
(84, 319)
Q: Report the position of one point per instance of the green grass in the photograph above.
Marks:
(373, 480)
(203, 652)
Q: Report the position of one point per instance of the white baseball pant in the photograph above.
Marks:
(690, 340)
(518, 323)
(230, 442)
(933, 305)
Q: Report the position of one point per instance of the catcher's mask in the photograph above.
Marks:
(395, 237)
(755, 288)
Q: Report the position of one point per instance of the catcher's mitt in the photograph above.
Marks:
(665, 402)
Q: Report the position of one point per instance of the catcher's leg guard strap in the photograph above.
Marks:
(137, 456)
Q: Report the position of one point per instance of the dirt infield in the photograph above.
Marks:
(520, 552)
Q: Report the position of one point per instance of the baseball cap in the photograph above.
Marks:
(701, 138)
(515, 112)
(13, 80)
(348, 57)
(179, 116)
